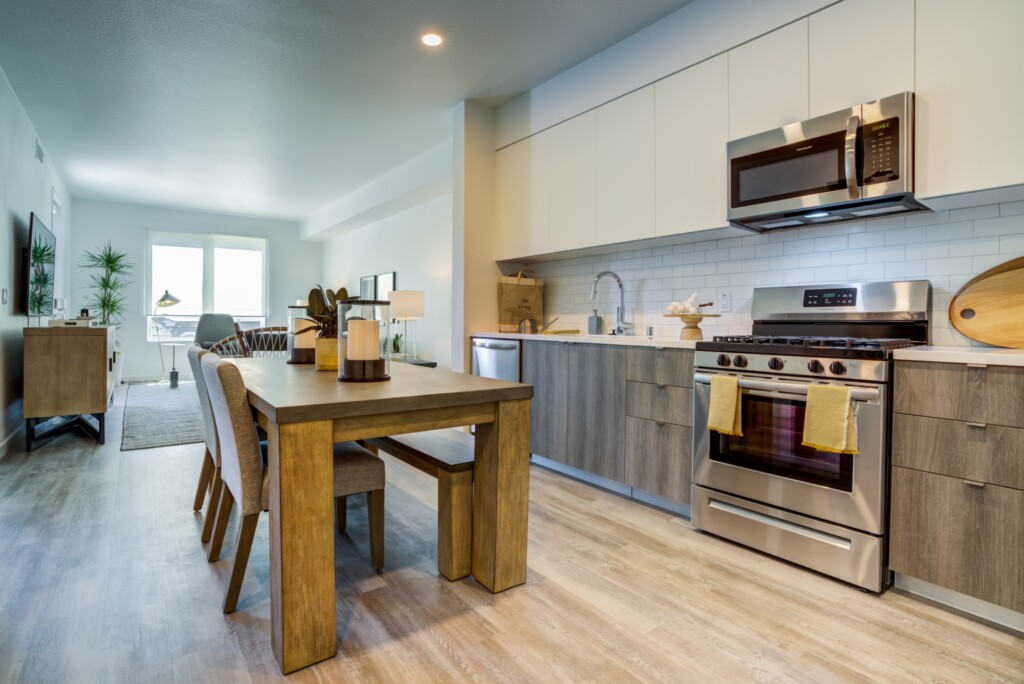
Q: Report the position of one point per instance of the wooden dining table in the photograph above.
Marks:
(305, 412)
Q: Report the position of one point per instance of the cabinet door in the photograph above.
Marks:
(691, 124)
(625, 168)
(521, 197)
(969, 99)
(658, 458)
(959, 536)
(573, 182)
(545, 366)
(979, 394)
(597, 409)
(860, 50)
(768, 81)
(660, 365)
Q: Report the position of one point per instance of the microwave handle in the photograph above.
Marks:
(852, 124)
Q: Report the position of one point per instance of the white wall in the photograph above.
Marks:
(417, 245)
(948, 248)
(25, 187)
(293, 267)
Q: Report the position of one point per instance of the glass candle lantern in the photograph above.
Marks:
(364, 337)
(301, 345)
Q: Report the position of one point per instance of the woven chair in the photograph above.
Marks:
(209, 475)
(255, 343)
(244, 480)
(230, 347)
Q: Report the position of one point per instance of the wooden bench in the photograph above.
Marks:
(448, 456)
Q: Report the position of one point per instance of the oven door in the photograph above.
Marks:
(769, 464)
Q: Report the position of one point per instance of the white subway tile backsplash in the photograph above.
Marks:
(947, 248)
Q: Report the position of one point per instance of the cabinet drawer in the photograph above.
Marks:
(660, 366)
(962, 537)
(659, 458)
(982, 394)
(970, 451)
(665, 403)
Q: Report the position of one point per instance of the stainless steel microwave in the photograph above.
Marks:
(851, 164)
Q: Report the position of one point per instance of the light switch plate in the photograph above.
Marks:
(4, 298)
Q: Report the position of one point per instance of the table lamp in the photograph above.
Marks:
(406, 305)
(165, 301)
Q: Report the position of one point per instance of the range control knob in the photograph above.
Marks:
(816, 366)
(837, 367)
(723, 360)
(739, 361)
(775, 363)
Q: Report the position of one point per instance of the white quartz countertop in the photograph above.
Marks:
(991, 356)
(624, 340)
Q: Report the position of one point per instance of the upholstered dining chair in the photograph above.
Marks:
(244, 480)
(212, 328)
(209, 475)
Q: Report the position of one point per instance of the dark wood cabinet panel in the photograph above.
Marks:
(545, 366)
(660, 365)
(979, 452)
(666, 403)
(983, 394)
(659, 458)
(958, 535)
(597, 409)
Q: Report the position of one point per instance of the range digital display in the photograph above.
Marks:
(846, 296)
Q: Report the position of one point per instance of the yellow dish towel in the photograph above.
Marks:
(725, 414)
(829, 424)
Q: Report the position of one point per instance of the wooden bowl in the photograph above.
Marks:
(691, 324)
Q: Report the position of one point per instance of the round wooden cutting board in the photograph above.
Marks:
(990, 308)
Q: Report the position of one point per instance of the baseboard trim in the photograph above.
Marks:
(961, 602)
(5, 446)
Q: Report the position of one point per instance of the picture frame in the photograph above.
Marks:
(385, 283)
(368, 288)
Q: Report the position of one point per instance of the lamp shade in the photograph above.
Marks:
(406, 305)
(167, 300)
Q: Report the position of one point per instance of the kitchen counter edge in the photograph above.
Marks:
(622, 340)
(991, 356)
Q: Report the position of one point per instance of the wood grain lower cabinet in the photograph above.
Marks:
(597, 410)
(975, 393)
(660, 365)
(960, 535)
(659, 458)
(68, 372)
(546, 367)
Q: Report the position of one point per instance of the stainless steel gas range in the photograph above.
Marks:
(826, 511)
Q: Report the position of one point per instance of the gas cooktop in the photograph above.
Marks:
(808, 345)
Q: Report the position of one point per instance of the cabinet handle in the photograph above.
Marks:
(977, 365)
(659, 423)
(977, 425)
(659, 349)
(972, 483)
(110, 365)
(659, 385)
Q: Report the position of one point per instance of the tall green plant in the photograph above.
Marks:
(107, 283)
(40, 287)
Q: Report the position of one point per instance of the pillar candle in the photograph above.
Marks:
(363, 340)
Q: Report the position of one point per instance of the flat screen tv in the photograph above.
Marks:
(42, 267)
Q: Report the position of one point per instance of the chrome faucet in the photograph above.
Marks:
(621, 326)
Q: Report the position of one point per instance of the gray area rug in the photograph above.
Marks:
(156, 416)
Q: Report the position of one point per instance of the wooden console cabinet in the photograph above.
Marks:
(68, 372)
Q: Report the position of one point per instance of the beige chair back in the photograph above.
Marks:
(240, 466)
(194, 356)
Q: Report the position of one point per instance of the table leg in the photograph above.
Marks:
(501, 483)
(302, 595)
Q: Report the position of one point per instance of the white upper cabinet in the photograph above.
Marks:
(691, 126)
(625, 168)
(573, 182)
(860, 50)
(522, 199)
(768, 81)
(970, 130)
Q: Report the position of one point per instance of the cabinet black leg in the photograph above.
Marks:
(102, 437)
(30, 429)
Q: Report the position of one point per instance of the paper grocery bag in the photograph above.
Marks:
(519, 298)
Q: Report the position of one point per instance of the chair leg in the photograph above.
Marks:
(375, 509)
(223, 513)
(454, 524)
(205, 475)
(212, 506)
(246, 532)
(341, 513)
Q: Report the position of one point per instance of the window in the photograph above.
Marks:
(205, 273)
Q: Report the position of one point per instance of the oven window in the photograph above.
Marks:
(772, 432)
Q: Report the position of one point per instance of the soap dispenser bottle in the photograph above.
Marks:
(594, 324)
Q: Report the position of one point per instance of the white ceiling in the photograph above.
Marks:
(276, 107)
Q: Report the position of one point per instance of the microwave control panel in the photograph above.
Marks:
(881, 150)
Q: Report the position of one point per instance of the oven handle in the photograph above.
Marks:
(857, 394)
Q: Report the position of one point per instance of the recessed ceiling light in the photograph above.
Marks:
(432, 39)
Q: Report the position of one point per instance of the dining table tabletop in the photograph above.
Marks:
(305, 411)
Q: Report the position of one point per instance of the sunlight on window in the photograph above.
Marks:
(238, 281)
(178, 270)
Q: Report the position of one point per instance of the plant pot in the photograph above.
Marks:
(326, 353)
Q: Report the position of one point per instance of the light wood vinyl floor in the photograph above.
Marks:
(103, 579)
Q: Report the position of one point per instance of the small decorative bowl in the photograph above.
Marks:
(691, 324)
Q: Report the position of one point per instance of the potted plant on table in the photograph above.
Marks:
(107, 283)
(322, 312)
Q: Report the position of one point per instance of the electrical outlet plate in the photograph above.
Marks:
(724, 303)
